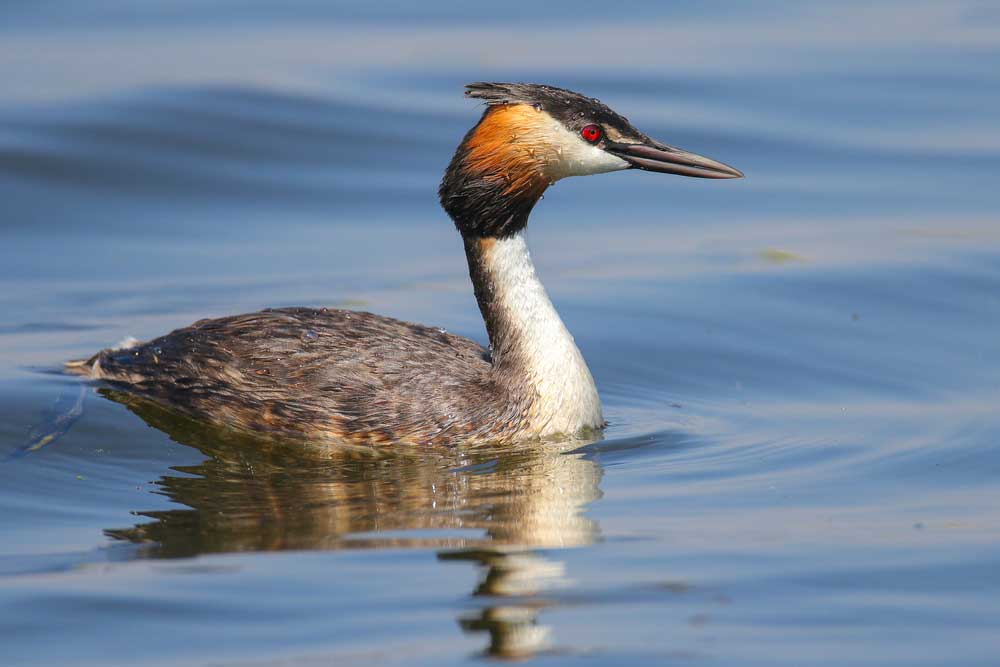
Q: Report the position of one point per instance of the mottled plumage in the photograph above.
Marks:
(324, 373)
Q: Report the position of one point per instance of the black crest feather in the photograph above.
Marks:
(526, 93)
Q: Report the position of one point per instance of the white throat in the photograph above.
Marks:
(567, 398)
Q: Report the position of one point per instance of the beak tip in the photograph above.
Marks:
(654, 156)
(722, 170)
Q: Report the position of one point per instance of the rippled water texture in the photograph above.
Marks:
(801, 369)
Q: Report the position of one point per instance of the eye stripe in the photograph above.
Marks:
(592, 133)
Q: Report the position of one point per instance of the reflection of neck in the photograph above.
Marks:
(530, 343)
(512, 625)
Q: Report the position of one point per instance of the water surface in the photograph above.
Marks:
(801, 370)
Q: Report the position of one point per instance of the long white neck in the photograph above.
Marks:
(530, 341)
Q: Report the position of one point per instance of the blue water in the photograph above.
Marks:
(801, 370)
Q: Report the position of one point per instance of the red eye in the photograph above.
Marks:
(592, 133)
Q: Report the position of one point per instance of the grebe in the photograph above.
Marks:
(367, 379)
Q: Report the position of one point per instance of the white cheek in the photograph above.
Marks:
(583, 159)
(572, 156)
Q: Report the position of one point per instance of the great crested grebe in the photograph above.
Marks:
(346, 375)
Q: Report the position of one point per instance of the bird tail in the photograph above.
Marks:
(91, 367)
(84, 367)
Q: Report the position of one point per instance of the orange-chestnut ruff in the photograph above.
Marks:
(511, 147)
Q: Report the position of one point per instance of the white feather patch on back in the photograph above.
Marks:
(126, 343)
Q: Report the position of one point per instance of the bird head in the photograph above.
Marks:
(532, 135)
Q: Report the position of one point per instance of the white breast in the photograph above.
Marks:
(567, 397)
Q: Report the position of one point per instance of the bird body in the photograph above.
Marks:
(363, 378)
(321, 373)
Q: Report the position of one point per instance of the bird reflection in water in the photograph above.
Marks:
(489, 505)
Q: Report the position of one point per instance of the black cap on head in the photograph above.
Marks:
(573, 110)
